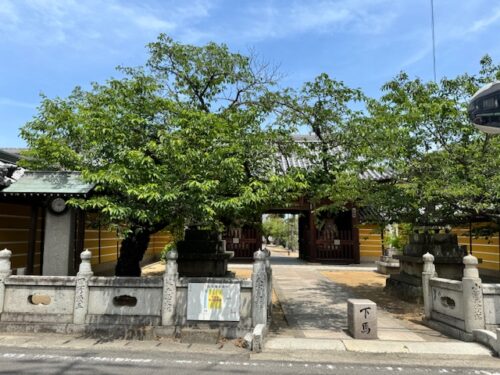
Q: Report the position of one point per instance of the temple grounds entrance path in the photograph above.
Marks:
(313, 303)
(310, 313)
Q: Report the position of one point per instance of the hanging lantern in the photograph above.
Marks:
(484, 108)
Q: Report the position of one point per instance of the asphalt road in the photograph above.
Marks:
(29, 361)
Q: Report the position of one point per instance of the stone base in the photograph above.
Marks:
(449, 330)
(387, 265)
(405, 287)
(203, 333)
(199, 336)
(488, 338)
(203, 265)
(446, 267)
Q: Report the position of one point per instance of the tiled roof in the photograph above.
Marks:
(49, 183)
(297, 161)
(8, 156)
(9, 173)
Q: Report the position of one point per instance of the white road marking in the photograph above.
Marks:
(331, 367)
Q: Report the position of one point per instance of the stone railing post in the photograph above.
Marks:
(259, 289)
(473, 295)
(169, 299)
(82, 288)
(5, 271)
(428, 273)
(269, 272)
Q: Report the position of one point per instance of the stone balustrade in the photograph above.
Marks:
(86, 303)
(466, 308)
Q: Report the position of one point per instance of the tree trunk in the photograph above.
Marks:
(134, 245)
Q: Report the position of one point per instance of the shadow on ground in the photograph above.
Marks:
(370, 285)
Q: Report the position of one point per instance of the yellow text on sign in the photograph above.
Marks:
(215, 299)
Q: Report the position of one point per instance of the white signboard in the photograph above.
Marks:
(213, 301)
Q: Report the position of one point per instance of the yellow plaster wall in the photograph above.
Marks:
(370, 243)
(485, 247)
(105, 243)
(15, 223)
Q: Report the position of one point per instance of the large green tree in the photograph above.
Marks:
(335, 150)
(180, 141)
(444, 170)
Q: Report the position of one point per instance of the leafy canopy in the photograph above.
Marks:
(179, 141)
(445, 170)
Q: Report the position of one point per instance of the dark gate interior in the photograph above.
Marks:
(334, 238)
(331, 238)
(243, 241)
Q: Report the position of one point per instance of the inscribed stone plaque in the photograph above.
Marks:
(362, 318)
(213, 301)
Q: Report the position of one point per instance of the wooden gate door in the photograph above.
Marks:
(335, 241)
(243, 241)
(335, 246)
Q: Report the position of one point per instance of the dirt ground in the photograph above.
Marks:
(158, 269)
(370, 285)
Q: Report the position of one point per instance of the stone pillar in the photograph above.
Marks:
(82, 288)
(169, 301)
(58, 243)
(362, 318)
(259, 289)
(473, 295)
(5, 271)
(269, 272)
(428, 273)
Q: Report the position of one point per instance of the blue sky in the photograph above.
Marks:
(50, 46)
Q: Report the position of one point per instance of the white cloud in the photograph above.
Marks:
(485, 22)
(452, 30)
(297, 17)
(71, 22)
(7, 102)
(8, 13)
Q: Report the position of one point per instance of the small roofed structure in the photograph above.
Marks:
(51, 190)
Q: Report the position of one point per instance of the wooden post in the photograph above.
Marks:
(355, 234)
(32, 239)
(313, 235)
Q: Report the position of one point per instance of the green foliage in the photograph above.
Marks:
(445, 171)
(399, 240)
(178, 142)
(325, 107)
(194, 136)
(168, 247)
(283, 230)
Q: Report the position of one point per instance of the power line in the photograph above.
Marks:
(433, 41)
